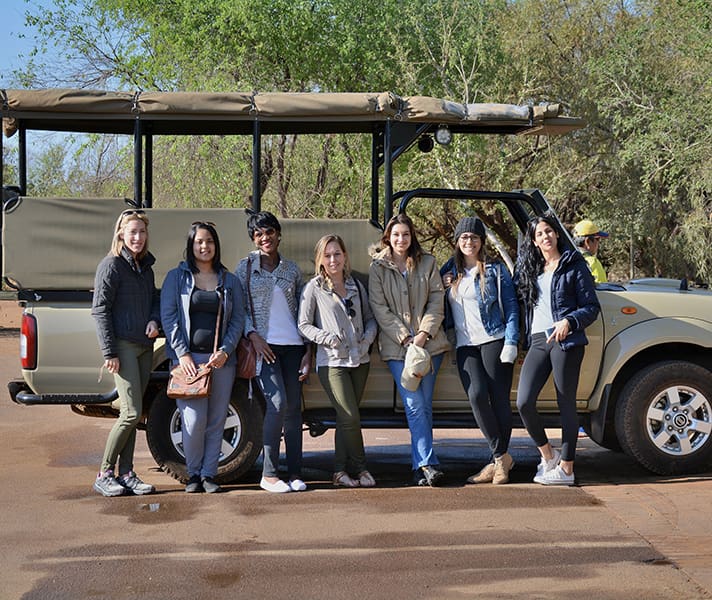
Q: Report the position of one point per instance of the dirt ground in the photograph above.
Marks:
(621, 533)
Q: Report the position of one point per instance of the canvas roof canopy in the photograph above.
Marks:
(96, 111)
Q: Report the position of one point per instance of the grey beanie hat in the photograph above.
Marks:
(470, 225)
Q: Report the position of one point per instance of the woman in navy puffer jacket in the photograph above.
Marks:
(559, 297)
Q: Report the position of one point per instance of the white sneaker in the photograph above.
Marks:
(556, 476)
(547, 465)
(278, 487)
(297, 485)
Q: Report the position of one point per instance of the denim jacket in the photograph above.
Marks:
(175, 311)
(496, 319)
(573, 297)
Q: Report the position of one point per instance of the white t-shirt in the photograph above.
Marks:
(282, 328)
(543, 318)
(469, 329)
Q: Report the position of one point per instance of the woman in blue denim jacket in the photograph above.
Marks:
(559, 297)
(190, 298)
(485, 319)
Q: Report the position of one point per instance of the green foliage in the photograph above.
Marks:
(639, 72)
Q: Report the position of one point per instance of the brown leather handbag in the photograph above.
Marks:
(246, 353)
(184, 387)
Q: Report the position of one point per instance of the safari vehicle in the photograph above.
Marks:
(646, 381)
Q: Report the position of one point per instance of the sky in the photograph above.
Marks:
(12, 27)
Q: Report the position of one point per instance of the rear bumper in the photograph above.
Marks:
(21, 393)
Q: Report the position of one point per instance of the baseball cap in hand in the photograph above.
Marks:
(417, 365)
(587, 227)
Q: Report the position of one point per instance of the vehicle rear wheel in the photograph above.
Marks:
(664, 418)
(242, 437)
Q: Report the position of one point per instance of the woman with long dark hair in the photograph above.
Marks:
(559, 296)
(407, 298)
(193, 295)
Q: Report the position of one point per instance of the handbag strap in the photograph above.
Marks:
(249, 292)
(217, 321)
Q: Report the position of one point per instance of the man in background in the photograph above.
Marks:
(587, 238)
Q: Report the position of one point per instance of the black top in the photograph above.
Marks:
(203, 314)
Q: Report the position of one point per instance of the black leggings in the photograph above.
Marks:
(541, 360)
(488, 381)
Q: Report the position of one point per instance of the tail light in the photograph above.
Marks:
(28, 342)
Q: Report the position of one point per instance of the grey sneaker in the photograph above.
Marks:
(107, 485)
(134, 485)
(210, 486)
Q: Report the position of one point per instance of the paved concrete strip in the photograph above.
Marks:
(671, 518)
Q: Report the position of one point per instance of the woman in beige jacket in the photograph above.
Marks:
(407, 298)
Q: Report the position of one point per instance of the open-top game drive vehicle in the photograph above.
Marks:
(646, 380)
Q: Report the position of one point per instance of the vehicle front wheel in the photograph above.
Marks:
(242, 436)
(664, 418)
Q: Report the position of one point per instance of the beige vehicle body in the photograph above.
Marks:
(646, 382)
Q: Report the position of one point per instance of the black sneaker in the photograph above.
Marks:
(194, 485)
(419, 478)
(210, 486)
(431, 475)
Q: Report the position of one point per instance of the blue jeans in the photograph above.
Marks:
(419, 412)
(282, 391)
(203, 422)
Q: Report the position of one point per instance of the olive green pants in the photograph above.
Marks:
(344, 386)
(131, 381)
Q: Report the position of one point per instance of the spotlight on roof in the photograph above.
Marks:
(443, 135)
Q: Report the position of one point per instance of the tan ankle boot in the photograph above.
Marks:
(484, 476)
(502, 466)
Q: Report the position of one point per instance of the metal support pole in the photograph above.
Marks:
(22, 160)
(138, 163)
(148, 171)
(256, 166)
(374, 177)
(387, 175)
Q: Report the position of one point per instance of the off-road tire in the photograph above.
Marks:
(243, 432)
(664, 418)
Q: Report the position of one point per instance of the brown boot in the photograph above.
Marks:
(502, 466)
(484, 476)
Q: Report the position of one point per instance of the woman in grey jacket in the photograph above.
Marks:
(272, 286)
(407, 298)
(192, 296)
(334, 313)
(125, 308)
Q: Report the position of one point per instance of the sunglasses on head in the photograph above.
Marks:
(133, 211)
(199, 223)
